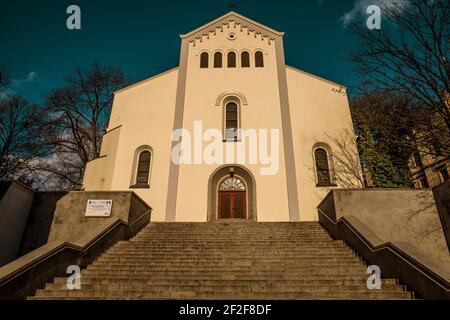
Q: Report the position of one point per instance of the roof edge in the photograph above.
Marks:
(317, 77)
(147, 79)
(229, 14)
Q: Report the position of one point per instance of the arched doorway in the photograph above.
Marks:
(232, 199)
(231, 194)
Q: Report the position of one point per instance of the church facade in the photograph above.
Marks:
(232, 132)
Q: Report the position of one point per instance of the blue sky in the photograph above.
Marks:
(142, 37)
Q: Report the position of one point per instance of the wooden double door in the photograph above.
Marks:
(232, 205)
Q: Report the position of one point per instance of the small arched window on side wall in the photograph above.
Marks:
(204, 60)
(322, 168)
(218, 60)
(231, 59)
(142, 175)
(259, 59)
(245, 59)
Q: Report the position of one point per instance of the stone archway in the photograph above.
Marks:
(232, 191)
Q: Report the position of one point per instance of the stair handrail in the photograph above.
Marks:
(20, 278)
(441, 284)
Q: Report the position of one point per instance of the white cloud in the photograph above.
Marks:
(31, 77)
(360, 7)
(10, 90)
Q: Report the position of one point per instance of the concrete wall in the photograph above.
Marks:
(39, 221)
(70, 224)
(4, 186)
(407, 218)
(14, 209)
(442, 196)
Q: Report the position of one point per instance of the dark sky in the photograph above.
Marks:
(142, 37)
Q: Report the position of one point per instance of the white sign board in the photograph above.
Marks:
(98, 208)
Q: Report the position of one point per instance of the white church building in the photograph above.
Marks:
(232, 132)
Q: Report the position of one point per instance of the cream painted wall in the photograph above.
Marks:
(100, 172)
(260, 87)
(320, 114)
(145, 114)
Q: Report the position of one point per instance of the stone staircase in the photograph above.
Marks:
(232, 260)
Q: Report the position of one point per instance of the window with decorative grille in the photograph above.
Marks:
(322, 167)
(143, 169)
(231, 122)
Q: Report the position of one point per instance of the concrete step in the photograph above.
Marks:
(235, 240)
(283, 274)
(323, 281)
(299, 295)
(130, 287)
(223, 260)
(248, 233)
(224, 264)
(140, 246)
(219, 268)
(88, 275)
(225, 224)
(233, 244)
(229, 254)
(235, 251)
(230, 260)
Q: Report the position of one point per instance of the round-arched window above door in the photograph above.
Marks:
(232, 184)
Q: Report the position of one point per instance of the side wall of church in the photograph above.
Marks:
(320, 117)
(143, 114)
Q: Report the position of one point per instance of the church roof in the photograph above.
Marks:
(317, 77)
(232, 17)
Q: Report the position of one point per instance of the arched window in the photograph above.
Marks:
(232, 184)
(204, 60)
(143, 169)
(259, 59)
(231, 122)
(218, 60)
(322, 167)
(245, 59)
(231, 60)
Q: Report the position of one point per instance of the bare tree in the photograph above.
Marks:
(410, 55)
(345, 159)
(344, 163)
(20, 141)
(78, 118)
